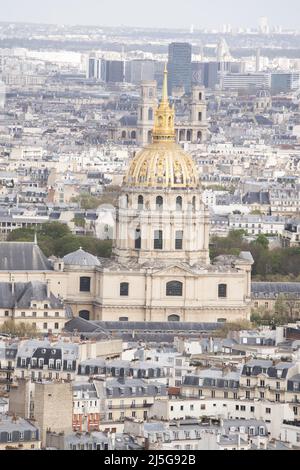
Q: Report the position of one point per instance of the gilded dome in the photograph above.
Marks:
(162, 165)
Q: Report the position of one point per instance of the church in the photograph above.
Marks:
(160, 268)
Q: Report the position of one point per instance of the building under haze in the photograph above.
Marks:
(160, 269)
(180, 66)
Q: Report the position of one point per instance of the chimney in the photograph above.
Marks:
(12, 285)
(48, 288)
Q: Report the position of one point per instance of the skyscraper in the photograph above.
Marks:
(180, 66)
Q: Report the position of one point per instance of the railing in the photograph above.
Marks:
(292, 423)
(129, 406)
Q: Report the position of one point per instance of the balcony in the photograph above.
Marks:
(129, 406)
(7, 369)
(292, 423)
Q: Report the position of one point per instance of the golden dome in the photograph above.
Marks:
(163, 164)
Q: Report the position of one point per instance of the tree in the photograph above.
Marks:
(18, 329)
(79, 222)
(262, 240)
(54, 230)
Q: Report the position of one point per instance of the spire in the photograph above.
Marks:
(164, 130)
(165, 86)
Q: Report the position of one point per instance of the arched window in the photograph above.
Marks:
(222, 291)
(85, 314)
(199, 116)
(173, 318)
(123, 135)
(189, 135)
(124, 289)
(150, 114)
(126, 201)
(159, 203)
(179, 203)
(140, 203)
(200, 96)
(199, 136)
(181, 135)
(133, 134)
(138, 239)
(174, 289)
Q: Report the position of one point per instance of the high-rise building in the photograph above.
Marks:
(284, 82)
(263, 25)
(94, 68)
(139, 70)
(205, 73)
(208, 74)
(180, 66)
(114, 71)
(245, 81)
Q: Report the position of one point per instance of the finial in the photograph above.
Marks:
(165, 86)
(164, 130)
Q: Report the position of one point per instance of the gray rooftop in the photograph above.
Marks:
(81, 258)
(24, 293)
(23, 256)
(274, 289)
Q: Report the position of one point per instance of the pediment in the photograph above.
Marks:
(175, 269)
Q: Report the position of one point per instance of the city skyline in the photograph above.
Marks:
(166, 15)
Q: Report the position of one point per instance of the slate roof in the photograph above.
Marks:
(152, 332)
(25, 293)
(274, 289)
(256, 198)
(23, 256)
(81, 258)
(129, 121)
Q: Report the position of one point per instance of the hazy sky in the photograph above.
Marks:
(159, 13)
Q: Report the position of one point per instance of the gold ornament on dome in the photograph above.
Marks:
(163, 164)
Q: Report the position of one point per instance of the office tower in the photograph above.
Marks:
(180, 66)
(2, 94)
(115, 71)
(245, 81)
(263, 25)
(159, 72)
(94, 67)
(284, 82)
(140, 70)
(257, 66)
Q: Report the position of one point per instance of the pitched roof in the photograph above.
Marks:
(23, 256)
(24, 293)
